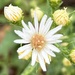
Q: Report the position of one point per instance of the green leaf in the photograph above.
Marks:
(8, 44)
(4, 70)
(3, 2)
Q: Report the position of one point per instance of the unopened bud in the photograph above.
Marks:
(72, 56)
(13, 13)
(38, 12)
(61, 17)
(55, 3)
(66, 62)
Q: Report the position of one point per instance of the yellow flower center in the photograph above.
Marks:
(38, 42)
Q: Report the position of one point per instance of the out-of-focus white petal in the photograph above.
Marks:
(28, 33)
(48, 51)
(54, 41)
(23, 34)
(24, 53)
(31, 26)
(34, 57)
(36, 22)
(19, 33)
(25, 47)
(53, 31)
(41, 61)
(47, 26)
(25, 25)
(54, 37)
(53, 48)
(42, 23)
(21, 41)
(45, 56)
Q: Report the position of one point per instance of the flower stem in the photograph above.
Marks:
(30, 69)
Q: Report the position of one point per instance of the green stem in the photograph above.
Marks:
(30, 69)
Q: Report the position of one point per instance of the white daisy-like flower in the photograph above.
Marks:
(38, 41)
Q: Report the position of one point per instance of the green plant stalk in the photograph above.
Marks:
(30, 69)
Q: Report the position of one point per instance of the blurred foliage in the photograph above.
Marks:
(3, 2)
(9, 62)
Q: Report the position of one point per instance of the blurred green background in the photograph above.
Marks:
(9, 62)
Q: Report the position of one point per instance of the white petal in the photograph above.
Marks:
(45, 56)
(23, 30)
(19, 41)
(41, 61)
(57, 36)
(36, 22)
(28, 33)
(42, 23)
(25, 47)
(53, 48)
(24, 54)
(34, 57)
(24, 25)
(54, 37)
(47, 25)
(48, 51)
(19, 33)
(53, 31)
(54, 41)
(31, 26)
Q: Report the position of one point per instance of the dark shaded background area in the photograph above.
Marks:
(65, 3)
(68, 3)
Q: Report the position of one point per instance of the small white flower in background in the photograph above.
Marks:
(38, 41)
(13, 13)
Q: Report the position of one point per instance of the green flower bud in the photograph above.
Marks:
(55, 3)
